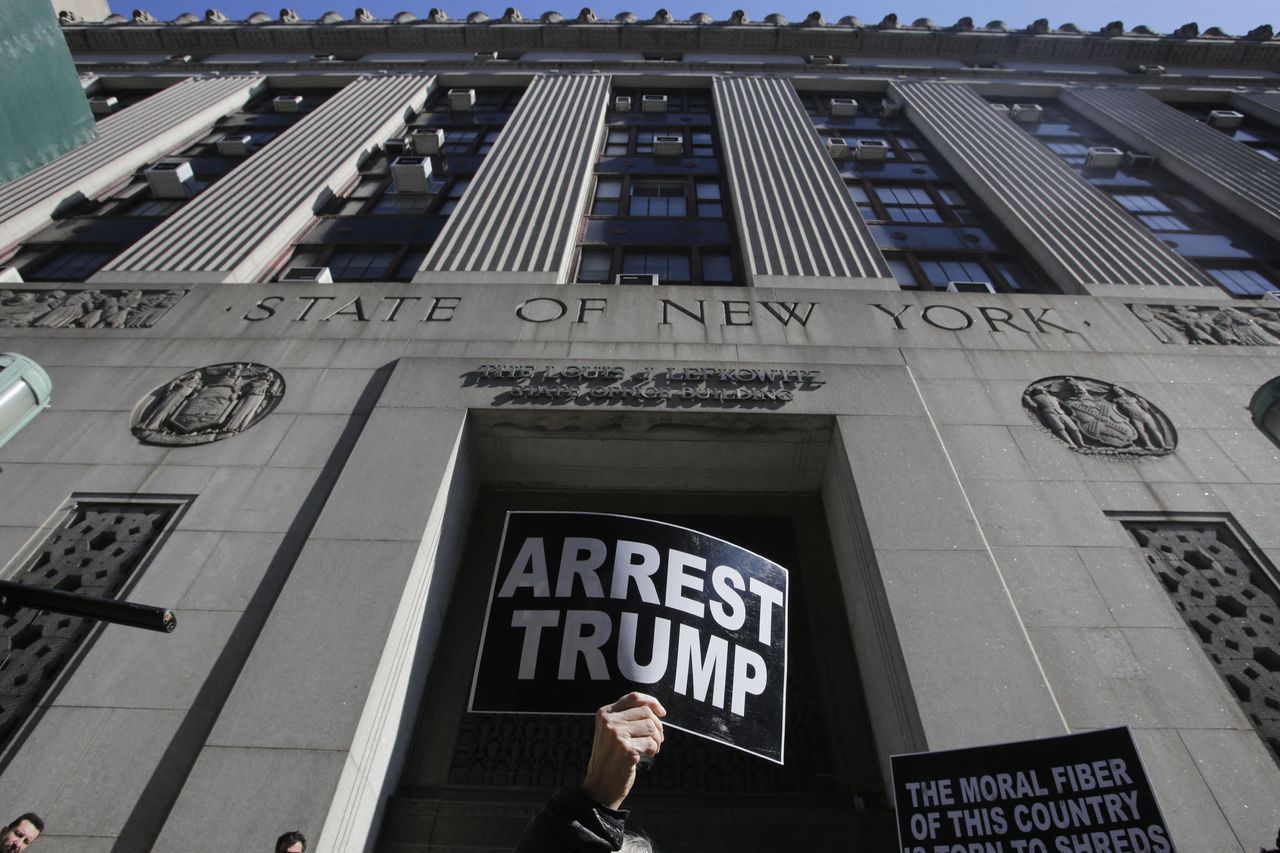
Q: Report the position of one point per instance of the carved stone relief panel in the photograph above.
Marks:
(1098, 418)
(1232, 605)
(93, 551)
(208, 404)
(1248, 325)
(85, 309)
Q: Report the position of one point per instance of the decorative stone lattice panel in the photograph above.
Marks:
(1231, 603)
(93, 552)
(1211, 325)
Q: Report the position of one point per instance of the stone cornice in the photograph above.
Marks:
(846, 39)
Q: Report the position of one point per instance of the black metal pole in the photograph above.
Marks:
(104, 609)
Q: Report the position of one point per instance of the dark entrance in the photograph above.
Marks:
(473, 780)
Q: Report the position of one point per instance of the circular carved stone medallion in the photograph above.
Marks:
(1100, 419)
(208, 404)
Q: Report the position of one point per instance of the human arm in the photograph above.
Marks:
(585, 818)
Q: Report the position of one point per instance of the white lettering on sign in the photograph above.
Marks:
(707, 667)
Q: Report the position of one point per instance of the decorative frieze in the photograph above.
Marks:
(1099, 419)
(85, 309)
(1211, 325)
(208, 404)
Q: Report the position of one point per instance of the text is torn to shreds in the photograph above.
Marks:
(1085, 793)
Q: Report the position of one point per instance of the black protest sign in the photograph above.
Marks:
(586, 607)
(1083, 793)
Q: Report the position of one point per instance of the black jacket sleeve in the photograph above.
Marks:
(571, 822)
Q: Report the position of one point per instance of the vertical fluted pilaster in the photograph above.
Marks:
(233, 230)
(126, 141)
(796, 223)
(518, 220)
(1082, 238)
(1227, 171)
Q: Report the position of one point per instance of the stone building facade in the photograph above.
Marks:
(973, 328)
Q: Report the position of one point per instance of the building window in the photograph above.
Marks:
(1242, 281)
(595, 265)
(908, 204)
(66, 264)
(657, 198)
(667, 266)
(354, 265)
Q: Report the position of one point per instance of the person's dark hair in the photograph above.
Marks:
(31, 818)
(290, 838)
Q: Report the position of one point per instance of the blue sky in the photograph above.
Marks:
(1236, 16)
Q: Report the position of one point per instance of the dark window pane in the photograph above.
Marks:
(360, 265)
(70, 265)
(902, 272)
(668, 266)
(594, 266)
(1243, 282)
(716, 268)
(410, 264)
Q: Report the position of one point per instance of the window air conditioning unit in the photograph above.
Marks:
(428, 140)
(315, 275)
(970, 287)
(486, 56)
(844, 107)
(1103, 157)
(1026, 113)
(173, 179)
(235, 144)
(286, 103)
(462, 100)
(636, 278)
(838, 148)
(1001, 108)
(871, 150)
(653, 104)
(397, 146)
(622, 104)
(10, 275)
(822, 59)
(1139, 159)
(1151, 70)
(668, 144)
(412, 175)
(1225, 119)
(890, 109)
(104, 106)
